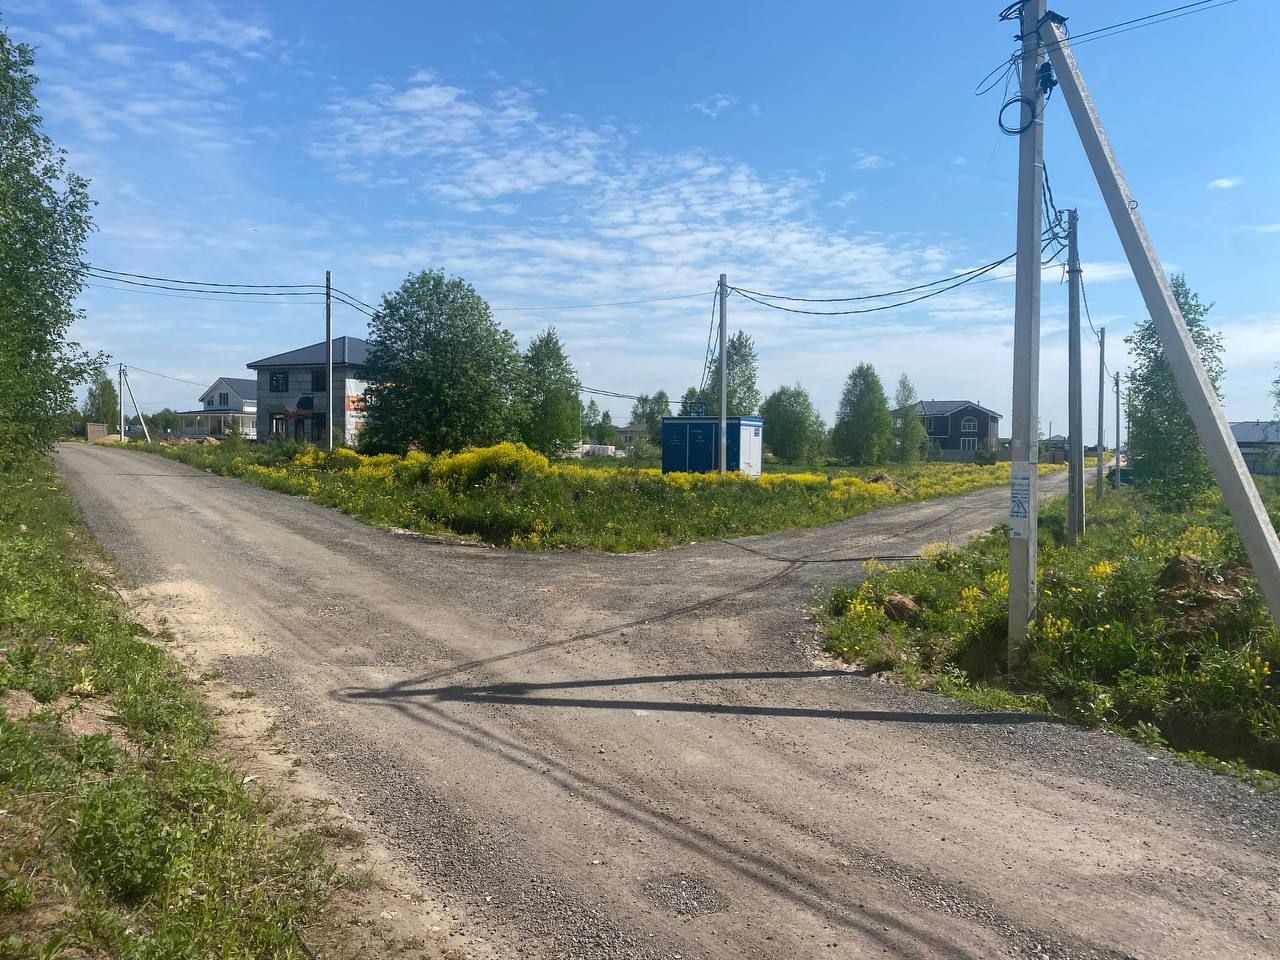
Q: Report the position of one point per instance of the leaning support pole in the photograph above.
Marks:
(1252, 522)
(1075, 387)
(136, 409)
(1024, 446)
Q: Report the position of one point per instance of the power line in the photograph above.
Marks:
(706, 360)
(153, 373)
(1150, 20)
(210, 283)
(971, 276)
(873, 296)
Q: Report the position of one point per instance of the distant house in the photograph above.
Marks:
(1259, 442)
(629, 435)
(228, 401)
(958, 428)
(293, 396)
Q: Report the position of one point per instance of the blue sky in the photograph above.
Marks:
(571, 153)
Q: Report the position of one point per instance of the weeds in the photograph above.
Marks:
(1152, 624)
(509, 495)
(140, 843)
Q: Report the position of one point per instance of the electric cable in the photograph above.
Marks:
(1150, 20)
(872, 296)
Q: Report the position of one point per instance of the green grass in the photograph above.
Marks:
(136, 841)
(510, 496)
(1118, 639)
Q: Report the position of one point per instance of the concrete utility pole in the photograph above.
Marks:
(1250, 516)
(1102, 395)
(1025, 446)
(120, 395)
(1118, 471)
(137, 409)
(1075, 387)
(328, 355)
(724, 374)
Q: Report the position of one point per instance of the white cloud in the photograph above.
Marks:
(1265, 228)
(194, 21)
(1225, 183)
(845, 199)
(959, 162)
(121, 54)
(717, 104)
(870, 161)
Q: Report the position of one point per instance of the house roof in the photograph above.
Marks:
(1256, 431)
(245, 388)
(941, 408)
(350, 351)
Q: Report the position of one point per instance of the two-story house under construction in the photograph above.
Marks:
(293, 396)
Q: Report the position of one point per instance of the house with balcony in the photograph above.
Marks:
(230, 402)
(293, 394)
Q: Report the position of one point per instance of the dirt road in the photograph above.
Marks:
(637, 756)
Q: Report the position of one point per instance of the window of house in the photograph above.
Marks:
(279, 382)
(224, 399)
(277, 426)
(317, 381)
(969, 425)
(317, 428)
(928, 425)
(897, 423)
(968, 443)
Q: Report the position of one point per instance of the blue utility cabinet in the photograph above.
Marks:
(692, 444)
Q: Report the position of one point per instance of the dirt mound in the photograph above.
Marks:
(901, 608)
(888, 481)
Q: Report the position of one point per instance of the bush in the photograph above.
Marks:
(504, 462)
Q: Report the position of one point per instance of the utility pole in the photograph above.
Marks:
(1247, 510)
(1102, 394)
(120, 396)
(724, 374)
(328, 356)
(137, 409)
(1075, 387)
(1118, 470)
(1024, 445)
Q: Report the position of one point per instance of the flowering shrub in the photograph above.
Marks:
(506, 462)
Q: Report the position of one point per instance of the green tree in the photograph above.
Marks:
(910, 438)
(1167, 455)
(690, 402)
(102, 404)
(606, 432)
(863, 432)
(1275, 393)
(442, 374)
(553, 412)
(44, 219)
(794, 430)
(649, 411)
(743, 365)
(590, 420)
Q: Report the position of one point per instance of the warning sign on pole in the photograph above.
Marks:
(1019, 500)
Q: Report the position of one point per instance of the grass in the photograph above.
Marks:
(1153, 624)
(123, 834)
(510, 496)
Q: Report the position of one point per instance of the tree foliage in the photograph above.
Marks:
(910, 439)
(690, 403)
(792, 426)
(102, 403)
(552, 422)
(742, 394)
(590, 420)
(606, 433)
(1166, 451)
(648, 412)
(863, 433)
(44, 219)
(442, 374)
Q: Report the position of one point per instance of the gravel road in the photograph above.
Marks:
(639, 756)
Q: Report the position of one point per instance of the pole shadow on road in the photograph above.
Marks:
(519, 694)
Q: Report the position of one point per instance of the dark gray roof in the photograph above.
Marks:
(941, 408)
(1256, 431)
(346, 350)
(247, 387)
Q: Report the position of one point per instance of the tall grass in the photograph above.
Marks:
(511, 496)
(1152, 623)
(137, 842)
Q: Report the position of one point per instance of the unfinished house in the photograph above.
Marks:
(293, 395)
